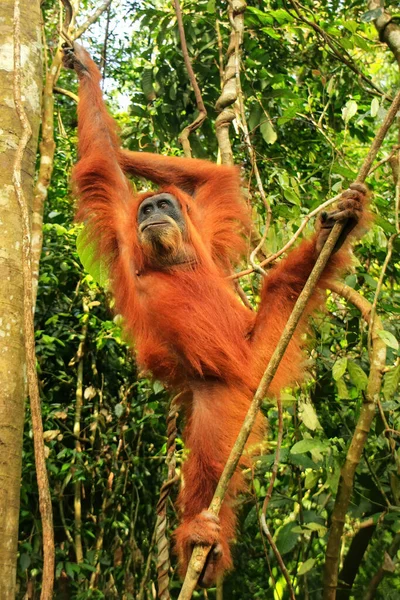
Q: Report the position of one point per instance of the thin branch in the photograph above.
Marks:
(78, 360)
(387, 566)
(162, 542)
(277, 457)
(184, 135)
(358, 441)
(45, 506)
(268, 496)
(242, 121)
(68, 93)
(103, 62)
(292, 240)
(92, 19)
(278, 556)
(388, 254)
(384, 160)
(146, 574)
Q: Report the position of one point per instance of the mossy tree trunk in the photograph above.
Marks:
(12, 354)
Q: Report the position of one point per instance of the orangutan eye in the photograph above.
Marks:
(147, 209)
(163, 204)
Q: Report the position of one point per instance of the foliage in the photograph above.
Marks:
(311, 120)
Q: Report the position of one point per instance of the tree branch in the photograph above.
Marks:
(92, 19)
(367, 415)
(199, 120)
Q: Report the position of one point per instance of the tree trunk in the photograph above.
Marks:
(12, 355)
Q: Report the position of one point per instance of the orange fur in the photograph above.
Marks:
(188, 326)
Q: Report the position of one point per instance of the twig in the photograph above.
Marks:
(292, 240)
(387, 566)
(147, 567)
(184, 135)
(388, 254)
(357, 444)
(92, 19)
(278, 556)
(68, 93)
(389, 430)
(78, 359)
(103, 62)
(277, 457)
(220, 52)
(163, 560)
(268, 495)
(243, 123)
(380, 136)
(384, 160)
(45, 506)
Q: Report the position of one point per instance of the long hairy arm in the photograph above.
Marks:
(101, 187)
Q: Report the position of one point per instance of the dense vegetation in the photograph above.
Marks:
(311, 120)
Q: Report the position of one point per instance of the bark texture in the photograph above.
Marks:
(389, 31)
(12, 354)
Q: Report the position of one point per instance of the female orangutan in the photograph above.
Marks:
(169, 253)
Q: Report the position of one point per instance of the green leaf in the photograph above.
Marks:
(391, 382)
(71, 569)
(288, 115)
(268, 132)
(147, 85)
(308, 416)
(291, 196)
(271, 32)
(357, 375)
(287, 539)
(119, 410)
(311, 479)
(137, 111)
(350, 25)
(211, 6)
(24, 561)
(264, 17)
(255, 117)
(374, 107)
(343, 392)
(157, 387)
(349, 110)
(308, 445)
(320, 529)
(281, 15)
(339, 368)
(389, 339)
(257, 486)
(96, 267)
(346, 172)
(306, 566)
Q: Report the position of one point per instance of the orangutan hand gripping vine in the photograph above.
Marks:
(169, 254)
